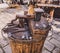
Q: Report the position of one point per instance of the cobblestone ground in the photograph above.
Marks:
(52, 43)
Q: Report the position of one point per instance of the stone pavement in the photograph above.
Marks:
(51, 45)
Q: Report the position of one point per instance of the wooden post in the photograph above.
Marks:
(49, 1)
(52, 14)
(43, 1)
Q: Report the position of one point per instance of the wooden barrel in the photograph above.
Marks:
(27, 46)
(33, 45)
(30, 44)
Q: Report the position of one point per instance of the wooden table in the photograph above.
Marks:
(50, 6)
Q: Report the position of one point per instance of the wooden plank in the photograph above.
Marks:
(48, 5)
(12, 44)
